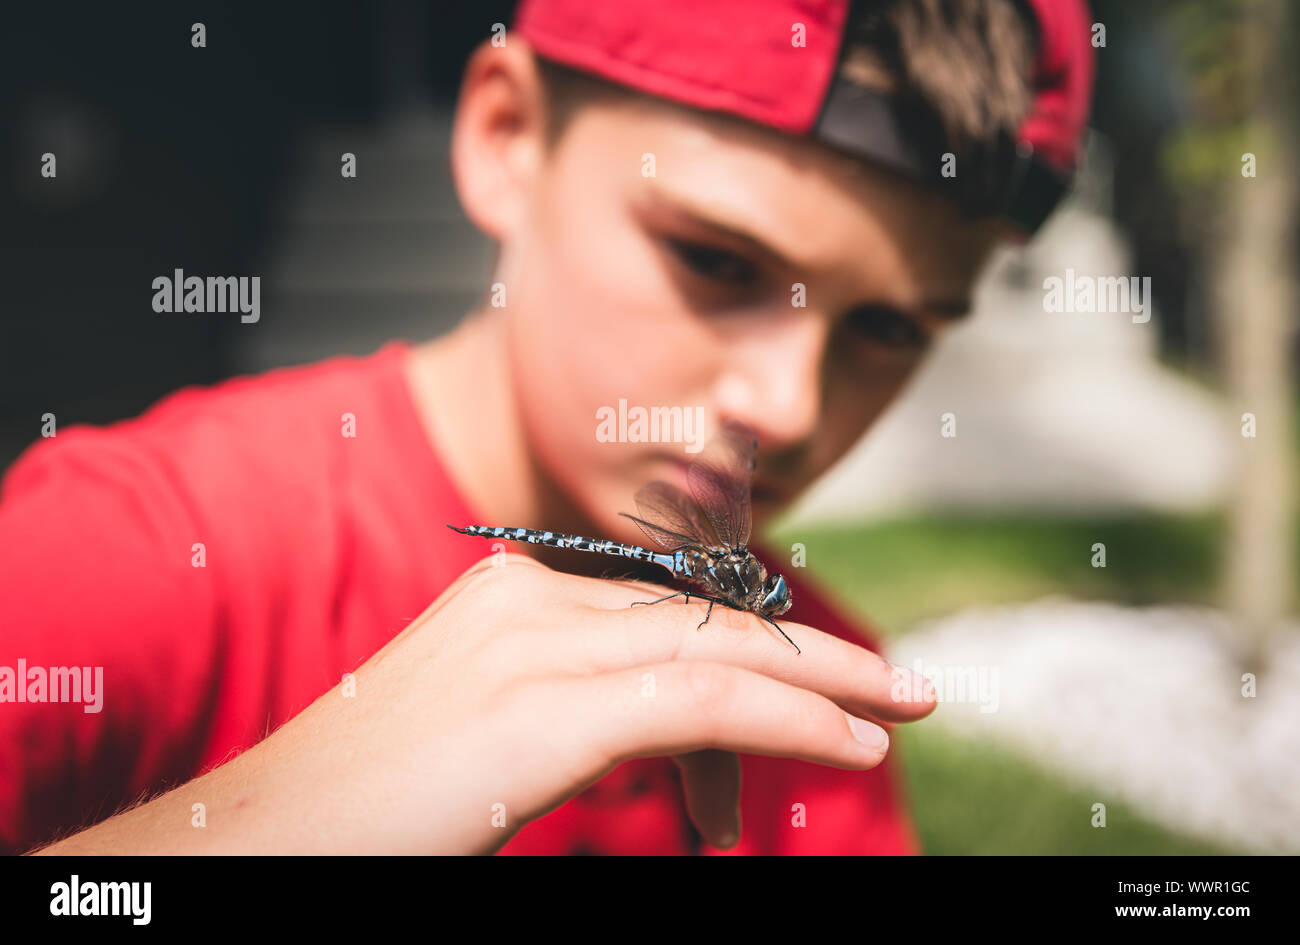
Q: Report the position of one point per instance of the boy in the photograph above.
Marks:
(765, 210)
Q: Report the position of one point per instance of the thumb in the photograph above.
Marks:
(711, 783)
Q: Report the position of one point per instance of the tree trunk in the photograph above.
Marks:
(1255, 302)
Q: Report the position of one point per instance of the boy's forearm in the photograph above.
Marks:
(246, 806)
(176, 822)
(303, 790)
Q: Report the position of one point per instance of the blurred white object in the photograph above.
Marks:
(1054, 410)
(1140, 705)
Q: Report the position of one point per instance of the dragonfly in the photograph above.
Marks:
(700, 537)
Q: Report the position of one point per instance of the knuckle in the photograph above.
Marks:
(485, 602)
(509, 566)
(517, 559)
(499, 576)
(471, 578)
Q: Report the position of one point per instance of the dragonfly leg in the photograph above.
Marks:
(783, 633)
(662, 599)
(709, 613)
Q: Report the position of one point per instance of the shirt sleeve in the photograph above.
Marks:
(106, 633)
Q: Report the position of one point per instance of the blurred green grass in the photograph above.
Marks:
(971, 799)
(895, 573)
(968, 797)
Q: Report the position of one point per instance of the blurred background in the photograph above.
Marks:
(1159, 676)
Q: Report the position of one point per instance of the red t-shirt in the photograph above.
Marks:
(316, 549)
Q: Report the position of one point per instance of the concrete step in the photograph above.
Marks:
(378, 256)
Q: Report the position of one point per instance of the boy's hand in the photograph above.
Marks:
(513, 692)
(521, 686)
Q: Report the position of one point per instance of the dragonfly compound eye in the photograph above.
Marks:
(776, 596)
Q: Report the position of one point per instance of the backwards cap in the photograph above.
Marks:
(737, 56)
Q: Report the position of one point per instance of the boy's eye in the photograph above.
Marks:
(718, 265)
(887, 327)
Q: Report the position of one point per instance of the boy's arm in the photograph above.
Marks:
(477, 719)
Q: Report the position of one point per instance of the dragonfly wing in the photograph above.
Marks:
(719, 480)
(671, 519)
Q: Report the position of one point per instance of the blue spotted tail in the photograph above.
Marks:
(571, 542)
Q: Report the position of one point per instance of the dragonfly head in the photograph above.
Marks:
(776, 596)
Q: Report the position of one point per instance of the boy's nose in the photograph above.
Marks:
(773, 382)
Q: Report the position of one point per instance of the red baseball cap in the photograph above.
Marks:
(740, 56)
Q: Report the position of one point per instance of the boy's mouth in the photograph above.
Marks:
(764, 491)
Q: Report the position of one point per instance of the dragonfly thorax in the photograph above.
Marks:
(740, 577)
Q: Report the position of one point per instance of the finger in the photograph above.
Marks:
(860, 681)
(618, 593)
(711, 785)
(687, 706)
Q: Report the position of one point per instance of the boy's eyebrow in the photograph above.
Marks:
(665, 202)
(947, 309)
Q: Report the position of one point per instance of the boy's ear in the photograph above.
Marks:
(498, 136)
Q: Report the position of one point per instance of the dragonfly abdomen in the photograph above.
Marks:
(572, 542)
(703, 536)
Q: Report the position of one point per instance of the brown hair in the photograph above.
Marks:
(966, 62)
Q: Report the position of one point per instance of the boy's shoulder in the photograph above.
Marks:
(311, 487)
(253, 428)
(270, 465)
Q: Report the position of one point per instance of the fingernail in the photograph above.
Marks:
(869, 734)
(731, 836)
(917, 683)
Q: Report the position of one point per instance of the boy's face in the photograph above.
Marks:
(676, 288)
